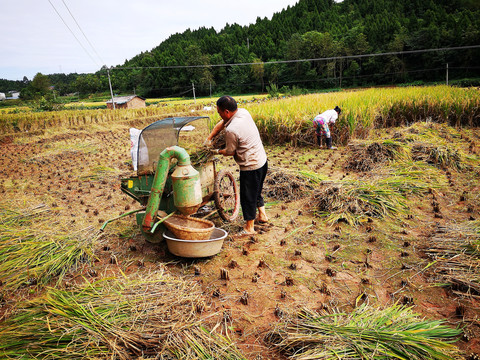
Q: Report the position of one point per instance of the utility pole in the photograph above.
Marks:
(447, 73)
(194, 99)
(111, 91)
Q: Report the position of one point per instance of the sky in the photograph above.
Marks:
(66, 36)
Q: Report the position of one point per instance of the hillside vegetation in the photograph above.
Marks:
(312, 29)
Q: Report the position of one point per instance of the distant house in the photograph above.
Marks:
(127, 102)
(13, 95)
(2, 96)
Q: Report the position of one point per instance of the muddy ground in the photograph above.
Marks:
(297, 260)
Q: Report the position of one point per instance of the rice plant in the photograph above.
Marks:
(354, 201)
(395, 332)
(290, 120)
(123, 318)
(31, 253)
(442, 156)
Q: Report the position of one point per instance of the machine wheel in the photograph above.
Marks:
(226, 195)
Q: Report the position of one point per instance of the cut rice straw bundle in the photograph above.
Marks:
(353, 201)
(201, 156)
(33, 254)
(366, 333)
(204, 153)
(125, 318)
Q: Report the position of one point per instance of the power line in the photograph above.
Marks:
(60, 16)
(85, 36)
(318, 80)
(302, 60)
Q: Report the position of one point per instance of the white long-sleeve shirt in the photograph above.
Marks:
(329, 116)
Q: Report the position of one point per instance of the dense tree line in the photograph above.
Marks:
(311, 29)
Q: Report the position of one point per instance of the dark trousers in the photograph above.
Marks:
(328, 141)
(251, 185)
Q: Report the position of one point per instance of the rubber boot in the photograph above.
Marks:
(329, 144)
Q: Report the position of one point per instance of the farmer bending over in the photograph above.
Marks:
(243, 142)
(320, 123)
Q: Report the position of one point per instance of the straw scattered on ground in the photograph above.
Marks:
(455, 255)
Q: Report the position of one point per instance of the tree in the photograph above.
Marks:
(201, 75)
(38, 87)
(87, 84)
(309, 29)
(40, 84)
(320, 45)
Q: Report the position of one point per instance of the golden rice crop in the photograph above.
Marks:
(290, 120)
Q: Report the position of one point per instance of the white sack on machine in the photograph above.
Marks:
(135, 142)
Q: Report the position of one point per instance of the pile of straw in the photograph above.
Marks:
(352, 201)
(364, 157)
(284, 185)
(441, 156)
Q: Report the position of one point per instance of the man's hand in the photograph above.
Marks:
(215, 151)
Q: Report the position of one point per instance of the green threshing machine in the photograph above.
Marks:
(167, 181)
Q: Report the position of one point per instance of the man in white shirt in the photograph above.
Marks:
(243, 142)
(320, 123)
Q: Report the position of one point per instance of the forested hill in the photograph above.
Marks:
(315, 29)
(311, 29)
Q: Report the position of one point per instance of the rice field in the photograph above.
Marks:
(380, 235)
(290, 120)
